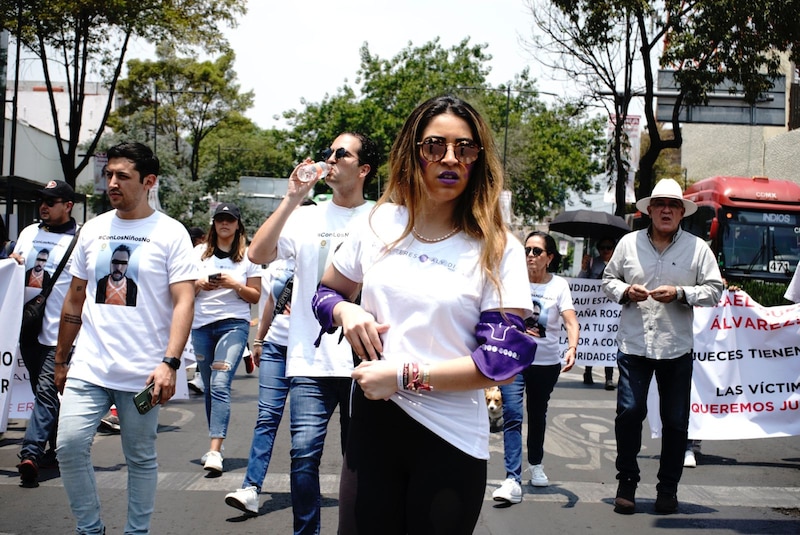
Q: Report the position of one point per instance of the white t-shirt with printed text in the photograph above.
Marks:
(223, 303)
(310, 236)
(119, 345)
(32, 240)
(554, 298)
(432, 295)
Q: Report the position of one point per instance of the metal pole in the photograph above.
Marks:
(505, 137)
(155, 120)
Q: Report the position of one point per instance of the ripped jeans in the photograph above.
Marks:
(218, 347)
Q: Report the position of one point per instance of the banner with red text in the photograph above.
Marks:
(746, 380)
(12, 277)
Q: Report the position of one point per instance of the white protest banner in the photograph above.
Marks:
(746, 381)
(598, 318)
(746, 378)
(12, 276)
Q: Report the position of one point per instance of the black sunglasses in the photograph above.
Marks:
(337, 154)
(537, 251)
(120, 262)
(50, 202)
(434, 150)
(605, 247)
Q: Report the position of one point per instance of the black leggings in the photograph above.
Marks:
(398, 477)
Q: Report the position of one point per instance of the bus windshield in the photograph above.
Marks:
(755, 243)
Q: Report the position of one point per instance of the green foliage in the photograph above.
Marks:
(706, 42)
(79, 39)
(765, 293)
(193, 98)
(548, 151)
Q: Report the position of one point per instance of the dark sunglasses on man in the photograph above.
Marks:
(50, 202)
(337, 154)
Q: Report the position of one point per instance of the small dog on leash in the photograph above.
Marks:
(494, 402)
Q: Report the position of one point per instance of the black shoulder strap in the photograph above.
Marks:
(49, 287)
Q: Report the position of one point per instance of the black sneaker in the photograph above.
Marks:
(666, 503)
(28, 472)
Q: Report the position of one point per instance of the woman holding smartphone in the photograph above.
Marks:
(228, 285)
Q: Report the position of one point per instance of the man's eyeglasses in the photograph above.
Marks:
(434, 150)
(337, 154)
(50, 202)
(605, 247)
(663, 203)
(120, 262)
(537, 251)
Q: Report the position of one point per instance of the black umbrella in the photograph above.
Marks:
(589, 224)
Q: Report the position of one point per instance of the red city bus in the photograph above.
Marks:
(751, 224)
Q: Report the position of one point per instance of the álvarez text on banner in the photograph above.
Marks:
(746, 381)
(598, 318)
(12, 277)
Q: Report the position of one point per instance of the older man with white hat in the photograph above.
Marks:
(658, 275)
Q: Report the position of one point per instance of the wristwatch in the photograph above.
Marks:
(680, 295)
(172, 362)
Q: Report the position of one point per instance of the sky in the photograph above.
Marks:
(286, 51)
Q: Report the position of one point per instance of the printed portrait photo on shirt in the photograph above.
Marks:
(37, 276)
(537, 322)
(118, 286)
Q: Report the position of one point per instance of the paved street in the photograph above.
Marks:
(739, 487)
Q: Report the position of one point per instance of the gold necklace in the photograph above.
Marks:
(432, 240)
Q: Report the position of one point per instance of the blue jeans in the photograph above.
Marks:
(538, 382)
(44, 418)
(82, 406)
(674, 380)
(313, 401)
(218, 348)
(273, 387)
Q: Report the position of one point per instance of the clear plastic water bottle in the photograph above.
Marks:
(313, 171)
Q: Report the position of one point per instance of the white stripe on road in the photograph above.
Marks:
(567, 493)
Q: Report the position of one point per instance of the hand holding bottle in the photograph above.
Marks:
(313, 172)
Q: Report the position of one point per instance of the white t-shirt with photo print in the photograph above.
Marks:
(118, 346)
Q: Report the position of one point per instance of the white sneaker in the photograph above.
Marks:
(689, 460)
(245, 500)
(213, 462)
(509, 491)
(196, 384)
(204, 458)
(538, 477)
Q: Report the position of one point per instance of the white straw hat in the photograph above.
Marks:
(667, 188)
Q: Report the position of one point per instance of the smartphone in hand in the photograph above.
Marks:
(144, 399)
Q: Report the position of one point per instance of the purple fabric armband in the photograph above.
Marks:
(505, 349)
(322, 304)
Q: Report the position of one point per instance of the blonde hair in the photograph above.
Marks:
(477, 211)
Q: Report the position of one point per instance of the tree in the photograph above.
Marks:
(392, 88)
(597, 51)
(706, 41)
(85, 39)
(192, 98)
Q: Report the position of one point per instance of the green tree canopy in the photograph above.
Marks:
(81, 40)
(192, 98)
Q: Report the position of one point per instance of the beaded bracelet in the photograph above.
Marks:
(414, 380)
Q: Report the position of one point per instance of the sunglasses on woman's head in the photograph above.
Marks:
(434, 150)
